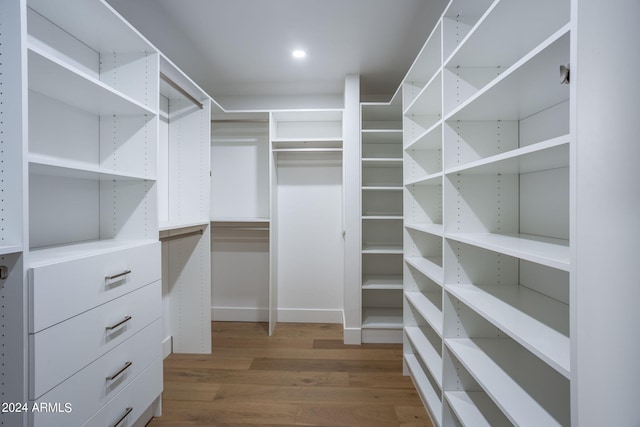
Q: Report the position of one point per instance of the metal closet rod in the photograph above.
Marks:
(179, 88)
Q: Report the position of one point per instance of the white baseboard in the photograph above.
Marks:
(239, 314)
(379, 336)
(304, 315)
(167, 346)
(352, 336)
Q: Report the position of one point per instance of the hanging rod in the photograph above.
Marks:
(181, 236)
(239, 121)
(179, 88)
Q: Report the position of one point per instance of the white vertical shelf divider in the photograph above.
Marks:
(13, 289)
(487, 148)
(184, 211)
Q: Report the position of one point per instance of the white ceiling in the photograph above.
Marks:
(242, 48)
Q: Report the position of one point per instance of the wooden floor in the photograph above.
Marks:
(302, 375)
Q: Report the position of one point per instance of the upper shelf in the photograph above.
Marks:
(96, 23)
(51, 77)
(527, 23)
(50, 166)
(531, 85)
(550, 154)
(541, 250)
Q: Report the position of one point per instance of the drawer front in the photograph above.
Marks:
(132, 401)
(65, 289)
(90, 389)
(62, 350)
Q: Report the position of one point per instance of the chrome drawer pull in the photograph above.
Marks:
(127, 412)
(122, 322)
(117, 374)
(115, 276)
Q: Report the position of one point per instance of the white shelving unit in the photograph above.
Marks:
(184, 203)
(381, 222)
(487, 150)
(306, 210)
(83, 85)
(240, 252)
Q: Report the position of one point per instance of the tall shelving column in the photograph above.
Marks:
(13, 330)
(306, 233)
(93, 219)
(240, 216)
(381, 223)
(184, 202)
(488, 330)
(423, 229)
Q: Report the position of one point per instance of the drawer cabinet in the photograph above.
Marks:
(94, 386)
(63, 349)
(64, 289)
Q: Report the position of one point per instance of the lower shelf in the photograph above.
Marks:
(430, 397)
(475, 408)
(382, 318)
(527, 393)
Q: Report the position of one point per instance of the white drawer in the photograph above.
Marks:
(133, 400)
(62, 350)
(64, 289)
(90, 389)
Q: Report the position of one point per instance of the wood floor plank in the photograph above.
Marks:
(336, 365)
(280, 378)
(302, 375)
(365, 415)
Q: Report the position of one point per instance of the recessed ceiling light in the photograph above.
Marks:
(298, 53)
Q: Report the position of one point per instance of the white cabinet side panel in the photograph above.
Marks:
(607, 231)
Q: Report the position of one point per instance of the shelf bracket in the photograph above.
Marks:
(4, 272)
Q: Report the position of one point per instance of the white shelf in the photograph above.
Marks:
(529, 86)
(429, 396)
(429, 267)
(538, 323)
(10, 249)
(497, 367)
(427, 102)
(431, 180)
(550, 154)
(428, 353)
(240, 219)
(380, 216)
(429, 139)
(388, 162)
(51, 166)
(541, 250)
(104, 32)
(382, 283)
(527, 24)
(381, 318)
(427, 61)
(429, 312)
(39, 257)
(381, 248)
(382, 136)
(51, 77)
(382, 188)
(475, 408)
(177, 226)
(435, 229)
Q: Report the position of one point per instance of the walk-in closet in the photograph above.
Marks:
(285, 212)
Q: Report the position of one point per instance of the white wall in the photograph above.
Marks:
(310, 243)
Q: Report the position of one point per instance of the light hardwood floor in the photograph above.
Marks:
(302, 375)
